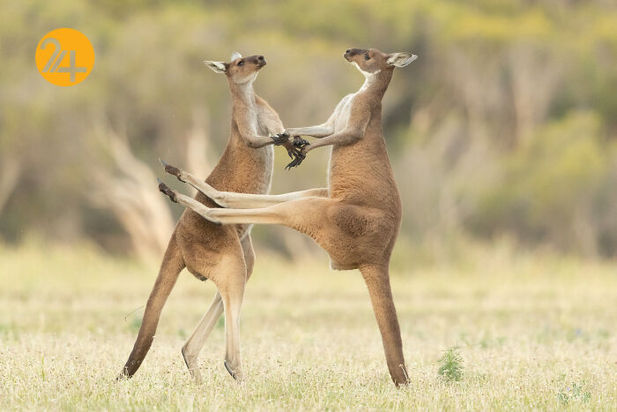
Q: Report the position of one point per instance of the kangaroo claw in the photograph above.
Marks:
(280, 138)
(122, 376)
(300, 142)
(298, 158)
(231, 372)
(172, 170)
(166, 190)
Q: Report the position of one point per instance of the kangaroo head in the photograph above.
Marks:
(370, 61)
(239, 70)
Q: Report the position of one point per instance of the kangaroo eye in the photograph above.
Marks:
(367, 57)
(241, 63)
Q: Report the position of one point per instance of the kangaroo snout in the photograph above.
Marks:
(261, 61)
(349, 53)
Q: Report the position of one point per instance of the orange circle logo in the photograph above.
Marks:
(64, 57)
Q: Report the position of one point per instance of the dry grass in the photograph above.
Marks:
(533, 334)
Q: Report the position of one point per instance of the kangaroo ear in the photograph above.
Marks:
(217, 67)
(235, 55)
(401, 59)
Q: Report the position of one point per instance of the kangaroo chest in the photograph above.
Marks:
(342, 113)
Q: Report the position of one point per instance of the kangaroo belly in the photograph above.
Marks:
(243, 169)
(240, 169)
(360, 176)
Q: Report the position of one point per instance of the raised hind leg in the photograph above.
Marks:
(240, 200)
(307, 215)
(194, 345)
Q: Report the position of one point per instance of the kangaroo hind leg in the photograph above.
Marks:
(194, 345)
(168, 274)
(378, 282)
(230, 279)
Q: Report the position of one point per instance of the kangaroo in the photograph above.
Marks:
(357, 218)
(223, 254)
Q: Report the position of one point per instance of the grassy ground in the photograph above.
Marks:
(533, 334)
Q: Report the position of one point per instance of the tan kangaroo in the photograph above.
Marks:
(223, 254)
(357, 218)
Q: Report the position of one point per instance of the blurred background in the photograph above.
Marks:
(504, 130)
(503, 139)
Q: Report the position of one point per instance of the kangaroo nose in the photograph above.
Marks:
(347, 51)
(260, 58)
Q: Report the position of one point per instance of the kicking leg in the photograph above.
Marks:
(239, 200)
(307, 215)
(250, 201)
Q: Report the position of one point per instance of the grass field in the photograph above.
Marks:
(533, 333)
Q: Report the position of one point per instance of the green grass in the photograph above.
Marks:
(451, 365)
(534, 333)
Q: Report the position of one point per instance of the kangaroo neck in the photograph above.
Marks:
(376, 84)
(243, 95)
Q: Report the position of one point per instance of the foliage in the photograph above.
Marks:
(505, 125)
(556, 177)
(451, 365)
(574, 392)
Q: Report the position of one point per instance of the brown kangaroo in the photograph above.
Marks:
(223, 254)
(357, 218)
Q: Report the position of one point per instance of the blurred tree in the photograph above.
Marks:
(547, 192)
(506, 123)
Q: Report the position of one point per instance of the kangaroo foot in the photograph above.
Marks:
(191, 364)
(172, 170)
(166, 190)
(122, 377)
(236, 375)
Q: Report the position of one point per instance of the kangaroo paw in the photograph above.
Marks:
(280, 138)
(299, 142)
(298, 158)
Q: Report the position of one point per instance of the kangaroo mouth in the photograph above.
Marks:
(349, 53)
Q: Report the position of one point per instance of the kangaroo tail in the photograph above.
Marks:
(168, 274)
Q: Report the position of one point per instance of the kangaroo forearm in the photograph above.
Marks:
(341, 139)
(258, 141)
(312, 131)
